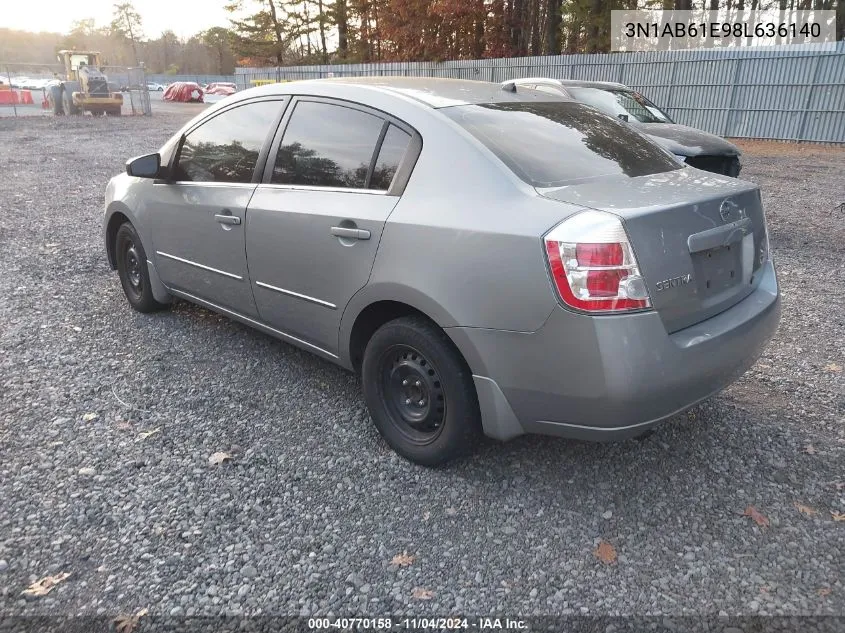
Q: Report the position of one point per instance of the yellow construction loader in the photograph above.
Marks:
(84, 87)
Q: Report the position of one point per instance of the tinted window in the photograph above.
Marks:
(225, 149)
(389, 156)
(615, 102)
(557, 143)
(548, 89)
(328, 146)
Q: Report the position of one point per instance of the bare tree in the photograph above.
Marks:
(126, 23)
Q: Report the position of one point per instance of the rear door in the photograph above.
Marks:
(313, 226)
(199, 216)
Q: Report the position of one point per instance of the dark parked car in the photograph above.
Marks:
(488, 261)
(694, 147)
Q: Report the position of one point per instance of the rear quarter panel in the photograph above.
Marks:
(463, 245)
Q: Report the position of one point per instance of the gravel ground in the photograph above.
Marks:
(108, 419)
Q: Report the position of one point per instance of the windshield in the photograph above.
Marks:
(79, 59)
(615, 102)
(551, 144)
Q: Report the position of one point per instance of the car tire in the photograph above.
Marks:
(133, 271)
(420, 392)
(67, 104)
(55, 100)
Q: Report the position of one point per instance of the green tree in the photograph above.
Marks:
(261, 34)
(217, 39)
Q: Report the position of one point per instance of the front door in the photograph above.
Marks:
(314, 226)
(200, 216)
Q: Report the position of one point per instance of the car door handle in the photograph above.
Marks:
(353, 234)
(227, 219)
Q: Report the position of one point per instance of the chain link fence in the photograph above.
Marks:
(784, 93)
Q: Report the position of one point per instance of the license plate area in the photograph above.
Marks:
(719, 270)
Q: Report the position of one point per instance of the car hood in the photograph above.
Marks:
(686, 141)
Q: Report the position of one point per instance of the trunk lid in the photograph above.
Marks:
(699, 238)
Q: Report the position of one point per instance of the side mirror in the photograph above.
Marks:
(144, 166)
(624, 117)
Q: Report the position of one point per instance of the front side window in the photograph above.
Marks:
(226, 148)
(556, 143)
(327, 145)
(615, 102)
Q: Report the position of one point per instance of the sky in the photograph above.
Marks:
(183, 17)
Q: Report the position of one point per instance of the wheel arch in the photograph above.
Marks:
(370, 319)
(116, 218)
(497, 418)
(374, 306)
(116, 214)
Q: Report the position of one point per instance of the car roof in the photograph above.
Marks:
(435, 92)
(574, 83)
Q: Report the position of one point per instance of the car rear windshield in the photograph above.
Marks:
(556, 143)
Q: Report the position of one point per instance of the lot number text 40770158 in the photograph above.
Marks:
(418, 624)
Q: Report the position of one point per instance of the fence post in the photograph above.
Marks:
(671, 86)
(14, 105)
(145, 93)
(732, 100)
(810, 90)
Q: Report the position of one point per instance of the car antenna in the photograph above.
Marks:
(510, 86)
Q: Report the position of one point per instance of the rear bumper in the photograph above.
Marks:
(612, 377)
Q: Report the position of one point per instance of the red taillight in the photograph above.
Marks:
(604, 283)
(598, 254)
(593, 265)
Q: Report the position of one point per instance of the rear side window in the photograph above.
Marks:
(557, 143)
(390, 155)
(327, 145)
(226, 148)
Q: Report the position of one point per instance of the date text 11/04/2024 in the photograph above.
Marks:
(418, 624)
(716, 30)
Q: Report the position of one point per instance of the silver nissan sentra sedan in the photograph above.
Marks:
(490, 261)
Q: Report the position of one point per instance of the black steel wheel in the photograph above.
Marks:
(411, 388)
(420, 392)
(133, 271)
